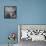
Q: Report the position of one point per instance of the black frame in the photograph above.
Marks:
(15, 12)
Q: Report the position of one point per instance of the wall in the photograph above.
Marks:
(28, 12)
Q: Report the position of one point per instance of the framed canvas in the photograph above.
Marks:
(10, 12)
(32, 32)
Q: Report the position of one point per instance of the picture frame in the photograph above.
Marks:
(10, 12)
(32, 30)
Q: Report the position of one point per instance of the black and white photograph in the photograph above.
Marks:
(10, 12)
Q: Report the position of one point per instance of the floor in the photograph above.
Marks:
(30, 43)
(7, 45)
